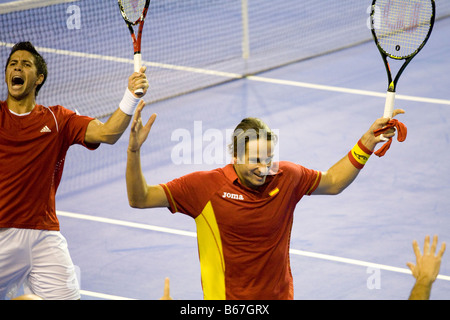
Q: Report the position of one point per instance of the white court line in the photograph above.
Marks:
(346, 90)
(194, 234)
(230, 75)
(103, 295)
(126, 223)
(131, 61)
(21, 5)
(358, 262)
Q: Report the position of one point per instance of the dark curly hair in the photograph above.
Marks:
(40, 63)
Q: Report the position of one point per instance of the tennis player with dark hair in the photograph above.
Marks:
(33, 143)
(244, 211)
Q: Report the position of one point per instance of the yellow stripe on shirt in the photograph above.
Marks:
(211, 255)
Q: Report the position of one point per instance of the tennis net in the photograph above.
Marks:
(187, 45)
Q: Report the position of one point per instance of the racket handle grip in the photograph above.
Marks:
(389, 106)
(137, 67)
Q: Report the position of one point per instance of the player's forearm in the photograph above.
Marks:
(339, 176)
(369, 141)
(347, 169)
(118, 122)
(344, 172)
(109, 132)
(115, 126)
(421, 290)
(137, 187)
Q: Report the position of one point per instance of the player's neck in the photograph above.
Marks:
(20, 106)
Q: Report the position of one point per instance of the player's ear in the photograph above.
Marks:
(40, 79)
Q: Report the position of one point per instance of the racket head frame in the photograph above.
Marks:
(392, 82)
(136, 40)
(131, 24)
(141, 16)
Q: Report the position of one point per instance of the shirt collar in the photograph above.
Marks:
(230, 173)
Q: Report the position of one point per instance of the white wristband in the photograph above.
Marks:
(129, 103)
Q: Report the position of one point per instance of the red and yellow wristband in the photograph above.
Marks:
(359, 155)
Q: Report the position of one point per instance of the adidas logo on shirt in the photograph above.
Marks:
(46, 129)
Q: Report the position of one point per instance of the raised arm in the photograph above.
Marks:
(426, 269)
(344, 172)
(141, 195)
(110, 131)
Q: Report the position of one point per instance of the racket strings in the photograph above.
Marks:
(132, 9)
(401, 26)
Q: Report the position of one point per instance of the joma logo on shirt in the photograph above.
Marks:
(232, 196)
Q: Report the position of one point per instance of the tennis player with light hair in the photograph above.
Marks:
(244, 211)
(33, 143)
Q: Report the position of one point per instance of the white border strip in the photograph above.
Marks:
(194, 234)
(230, 75)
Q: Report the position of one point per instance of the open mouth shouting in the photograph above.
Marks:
(17, 82)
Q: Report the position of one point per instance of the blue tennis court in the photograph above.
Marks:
(351, 246)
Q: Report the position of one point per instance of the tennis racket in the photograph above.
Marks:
(134, 12)
(400, 29)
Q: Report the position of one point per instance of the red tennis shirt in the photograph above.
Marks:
(243, 234)
(32, 153)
